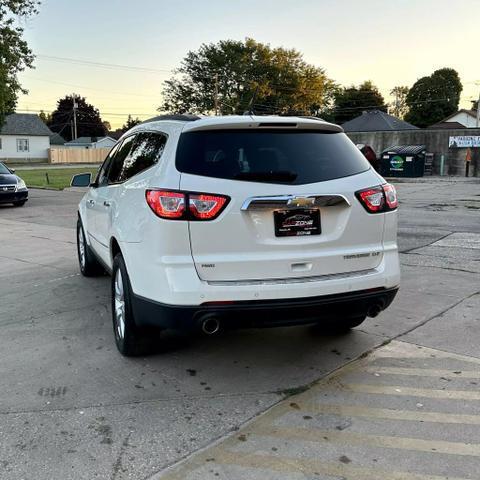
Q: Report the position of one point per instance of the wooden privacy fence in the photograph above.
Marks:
(77, 155)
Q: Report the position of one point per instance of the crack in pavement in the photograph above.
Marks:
(59, 312)
(145, 402)
(408, 250)
(443, 312)
(441, 268)
(29, 262)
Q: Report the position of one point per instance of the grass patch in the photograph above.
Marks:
(58, 178)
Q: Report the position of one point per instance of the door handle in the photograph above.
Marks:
(107, 204)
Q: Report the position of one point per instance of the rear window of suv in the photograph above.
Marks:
(271, 156)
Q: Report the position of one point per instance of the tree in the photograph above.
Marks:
(247, 75)
(89, 122)
(474, 105)
(130, 123)
(351, 101)
(433, 98)
(107, 125)
(15, 56)
(45, 117)
(399, 107)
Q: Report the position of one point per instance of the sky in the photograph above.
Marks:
(391, 42)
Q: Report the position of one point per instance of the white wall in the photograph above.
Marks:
(464, 119)
(38, 147)
(104, 143)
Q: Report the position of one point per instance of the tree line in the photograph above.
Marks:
(234, 77)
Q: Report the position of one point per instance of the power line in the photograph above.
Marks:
(102, 113)
(103, 64)
(86, 88)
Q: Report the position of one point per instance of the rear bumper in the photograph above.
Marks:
(12, 197)
(263, 313)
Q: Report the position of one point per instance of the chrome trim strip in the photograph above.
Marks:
(294, 201)
(286, 281)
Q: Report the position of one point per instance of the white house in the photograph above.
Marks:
(91, 142)
(24, 138)
(461, 119)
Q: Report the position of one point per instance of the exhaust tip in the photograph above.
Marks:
(374, 310)
(210, 325)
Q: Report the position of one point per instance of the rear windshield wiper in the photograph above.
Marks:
(278, 176)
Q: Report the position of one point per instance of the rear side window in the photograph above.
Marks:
(146, 150)
(102, 173)
(271, 156)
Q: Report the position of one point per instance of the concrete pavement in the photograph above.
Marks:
(403, 412)
(72, 408)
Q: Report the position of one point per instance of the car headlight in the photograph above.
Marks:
(21, 185)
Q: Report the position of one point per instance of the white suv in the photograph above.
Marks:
(239, 221)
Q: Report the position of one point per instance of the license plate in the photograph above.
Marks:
(297, 223)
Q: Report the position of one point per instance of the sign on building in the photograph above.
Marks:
(464, 141)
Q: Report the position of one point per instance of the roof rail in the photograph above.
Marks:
(178, 117)
(311, 117)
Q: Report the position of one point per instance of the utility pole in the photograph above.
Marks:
(397, 102)
(75, 106)
(216, 94)
(478, 111)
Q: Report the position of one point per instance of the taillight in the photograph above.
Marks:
(390, 196)
(381, 198)
(166, 204)
(205, 207)
(172, 205)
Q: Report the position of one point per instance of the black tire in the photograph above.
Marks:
(89, 265)
(340, 325)
(19, 204)
(131, 340)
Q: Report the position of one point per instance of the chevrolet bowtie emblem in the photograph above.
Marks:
(301, 202)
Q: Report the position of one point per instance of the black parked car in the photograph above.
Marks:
(12, 188)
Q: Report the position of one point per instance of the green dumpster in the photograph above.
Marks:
(406, 161)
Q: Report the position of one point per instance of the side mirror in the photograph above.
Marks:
(81, 180)
(12, 170)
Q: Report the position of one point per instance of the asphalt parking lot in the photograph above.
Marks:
(72, 408)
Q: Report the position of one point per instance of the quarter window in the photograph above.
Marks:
(146, 151)
(22, 145)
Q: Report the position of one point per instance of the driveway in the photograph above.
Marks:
(72, 408)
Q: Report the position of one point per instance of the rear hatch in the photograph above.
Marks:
(292, 211)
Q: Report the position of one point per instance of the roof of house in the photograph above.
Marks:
(376, 120)
(471, 113)
(88, 140)
(56, 139)
(448, 125)
(25, 124)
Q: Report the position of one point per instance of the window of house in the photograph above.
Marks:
(22, 145)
